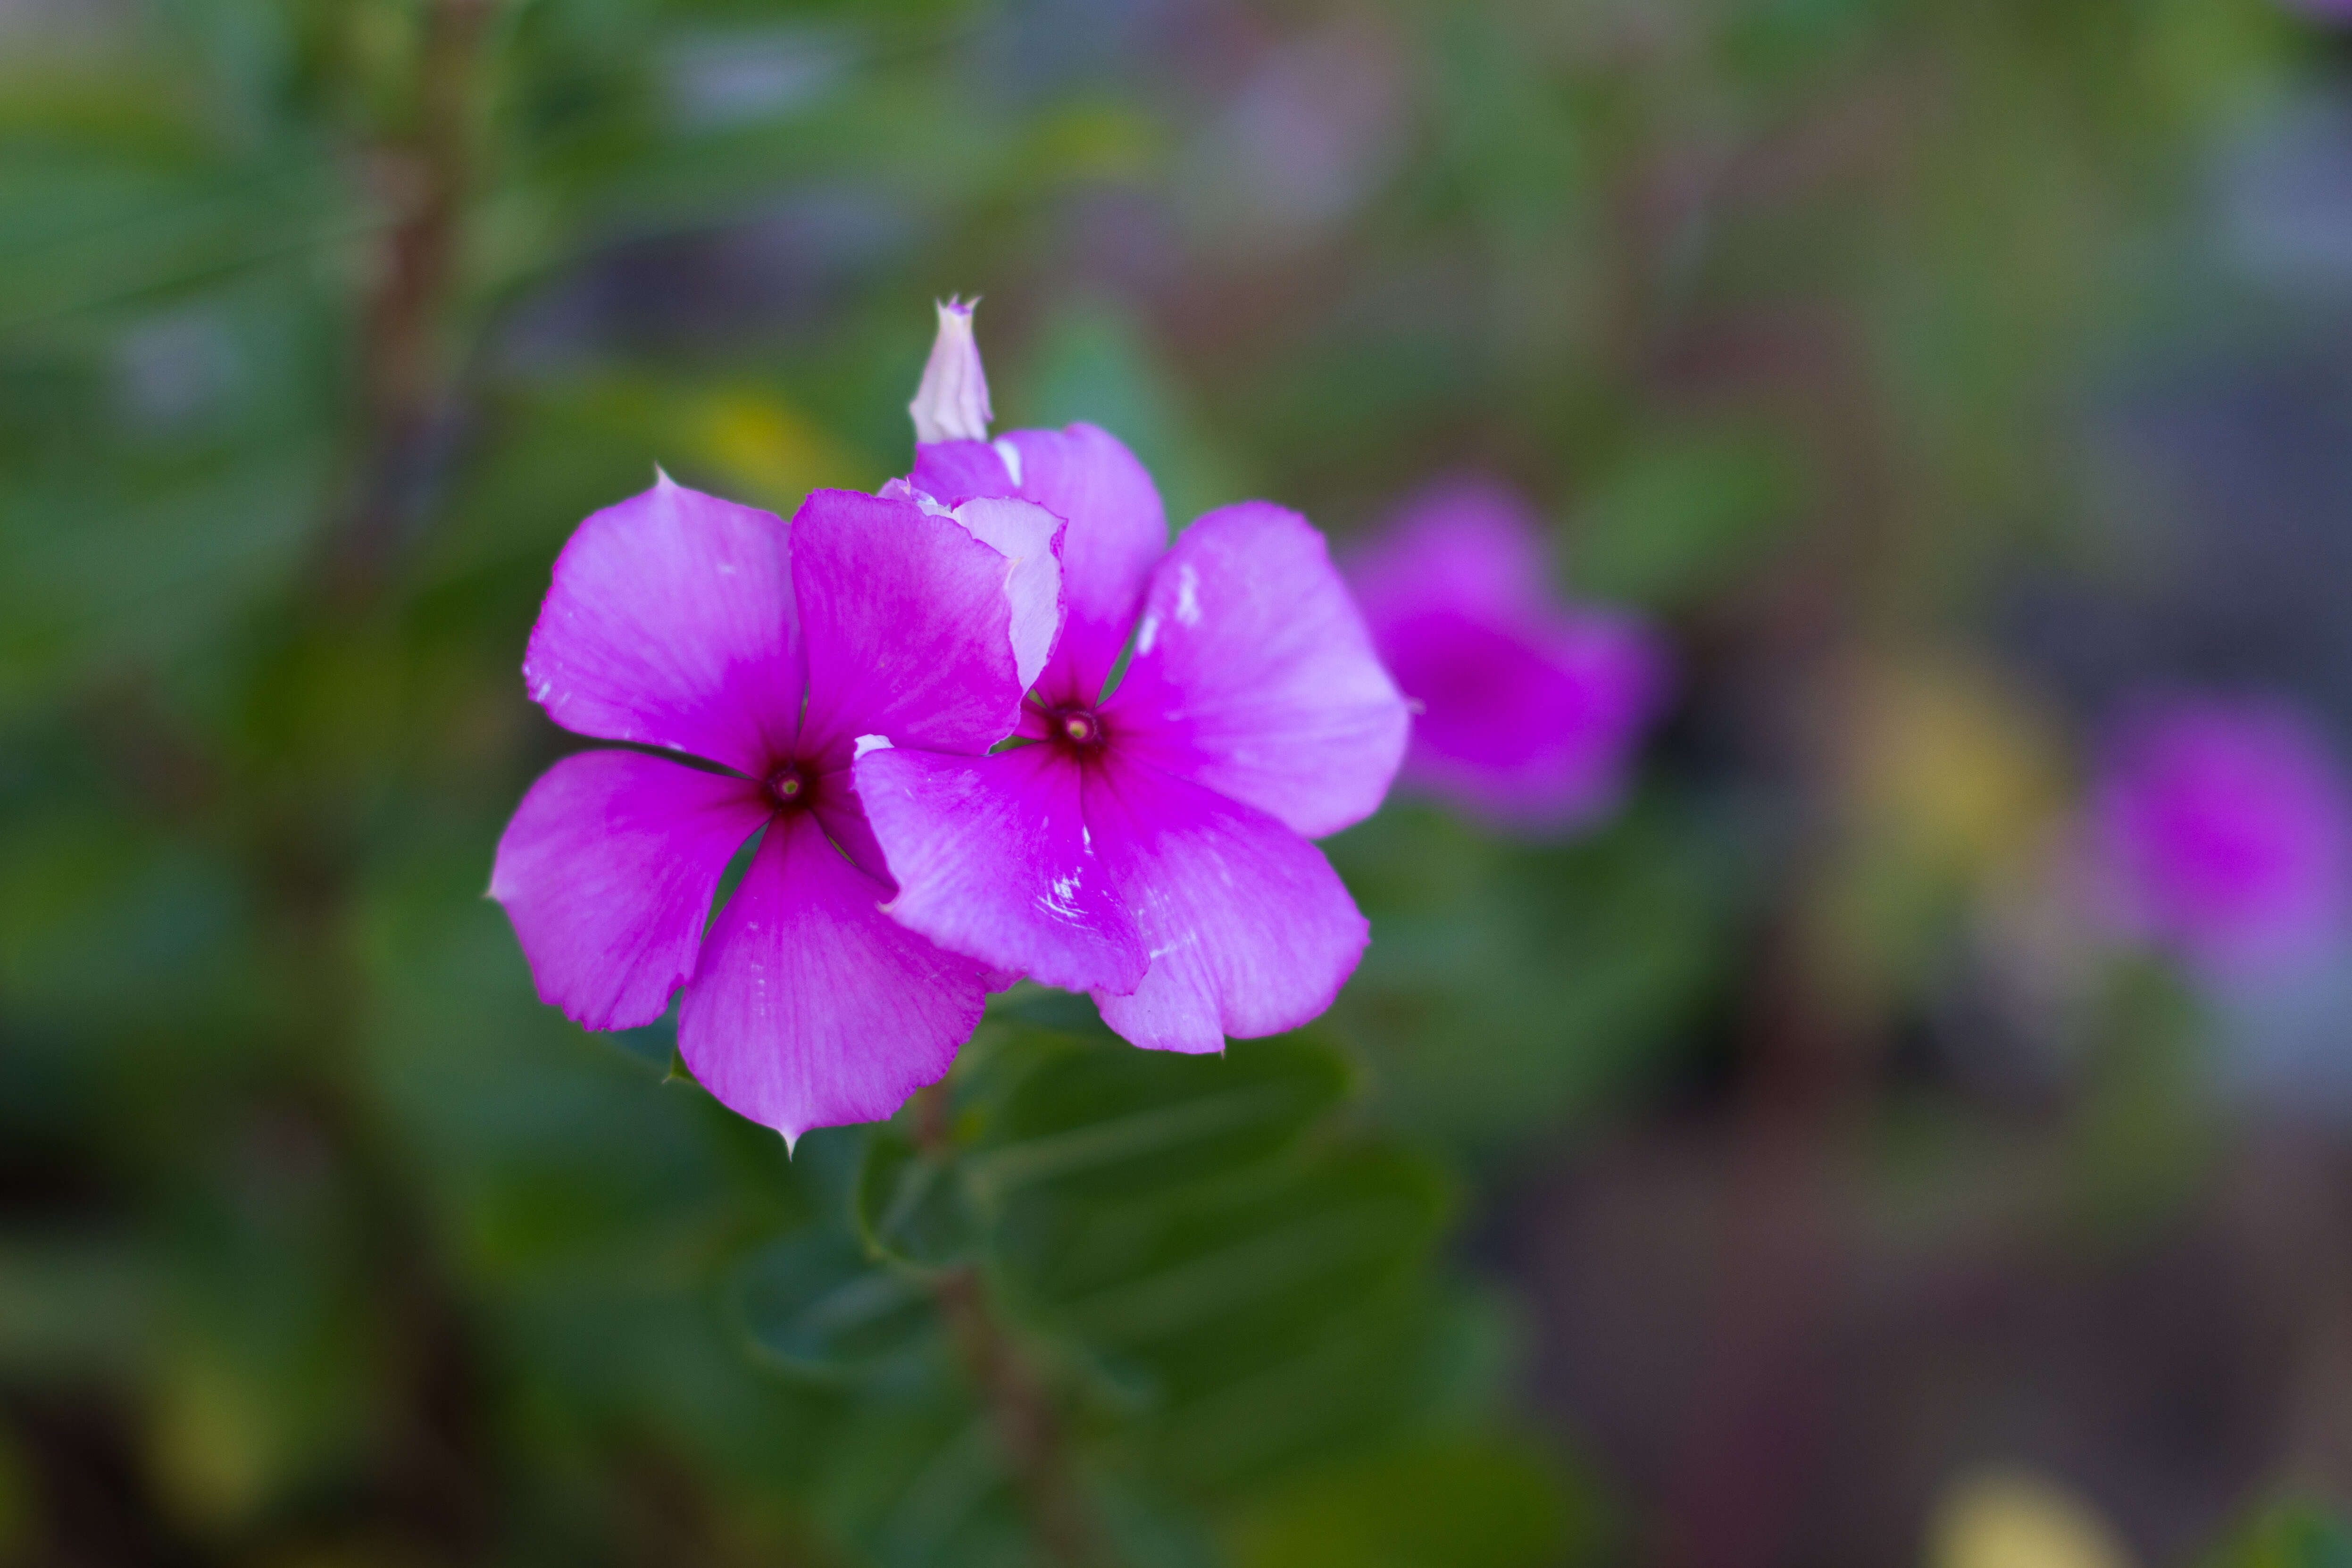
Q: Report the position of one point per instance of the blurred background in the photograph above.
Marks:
(1910, 1121)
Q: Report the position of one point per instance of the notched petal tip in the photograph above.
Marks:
(951, 404)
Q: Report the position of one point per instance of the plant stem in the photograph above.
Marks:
(1020, 1407)
(427, 174)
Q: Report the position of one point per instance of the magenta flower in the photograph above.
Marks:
(1150, 845)
(1527, 711)
(771, 655)
(2224, 831)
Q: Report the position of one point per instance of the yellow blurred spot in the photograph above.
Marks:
(1949, 787)
(1955, 762)
(768, 448)
(2013, 1520)
(210, 1442)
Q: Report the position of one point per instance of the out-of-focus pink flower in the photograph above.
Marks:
(1150, 846)
(2223, 827)
(685, 622)
(1528, 710)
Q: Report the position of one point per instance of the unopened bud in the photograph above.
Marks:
(952, 403)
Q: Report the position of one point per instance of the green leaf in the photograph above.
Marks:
(912, 1208)
(653, 1046)
(918, 1479)
(1228, 1261)
(1123, 1121)
(814, 1305)
(1142, 1530)
(1248, 1321)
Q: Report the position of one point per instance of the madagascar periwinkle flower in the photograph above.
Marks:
(1528, 711)
(1149, 842)
(764, 656)
(2223, 829)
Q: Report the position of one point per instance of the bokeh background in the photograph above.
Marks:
(1793, 1168)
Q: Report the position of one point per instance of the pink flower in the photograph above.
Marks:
(771, 655)
(1150, 845)
(2224, 831)
(1528, 711)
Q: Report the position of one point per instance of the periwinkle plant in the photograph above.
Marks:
(1182, 720)
(989, 725)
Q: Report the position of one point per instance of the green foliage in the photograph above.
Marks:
(1685, 517)
(1515, 988)
(2289, 1535)
(1203, 1261)
(815, 1304)
(1475, 1503)
(913, 1207)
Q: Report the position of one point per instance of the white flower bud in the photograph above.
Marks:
(952, 403)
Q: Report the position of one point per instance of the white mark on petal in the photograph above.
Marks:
(1059, 902)
(1187, 596)
(870, 743)
(1147, 633)
(1010, 455)
(1190, 939)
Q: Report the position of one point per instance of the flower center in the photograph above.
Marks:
(786, 787)
(1081, 729)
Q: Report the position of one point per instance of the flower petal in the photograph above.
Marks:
(1031, 538)
(607, 872)
(993, 860)
(1528, 726)
(811, 1008)
(1253, 674)
(1465, 543)
(671, 622)
(1117, 529)
(908, 628)
(1249, 930)
(952, 472)
(844, 820)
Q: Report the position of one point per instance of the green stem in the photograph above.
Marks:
(1020, 1407)
(428, 175)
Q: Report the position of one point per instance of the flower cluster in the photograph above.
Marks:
(987, 724)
